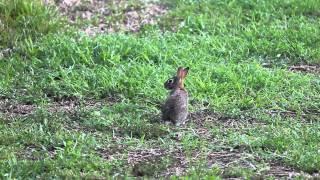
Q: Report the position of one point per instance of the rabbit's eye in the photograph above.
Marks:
(170, 81)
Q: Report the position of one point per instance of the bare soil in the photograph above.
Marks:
(151, 162)
(107, 16)
(315, 69)
(305, 116)
(159, 162)
(10, 108)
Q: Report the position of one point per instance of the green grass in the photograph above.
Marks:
(274, 111)
(25, 20)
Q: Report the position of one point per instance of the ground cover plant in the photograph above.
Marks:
(81, 85)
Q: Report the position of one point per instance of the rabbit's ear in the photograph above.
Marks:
(182, 72)
(185, 71)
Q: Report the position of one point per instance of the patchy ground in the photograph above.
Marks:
(104, 16)
(247, 121)
(174, 161)
(10, 109)
(306, 68)
(164, 162)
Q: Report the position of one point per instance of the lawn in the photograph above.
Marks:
(81, 86)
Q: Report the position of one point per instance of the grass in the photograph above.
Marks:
(244, 115)
(25, 20)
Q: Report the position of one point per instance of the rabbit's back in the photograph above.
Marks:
(175, 108)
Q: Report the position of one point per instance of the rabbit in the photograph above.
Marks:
(175, 108)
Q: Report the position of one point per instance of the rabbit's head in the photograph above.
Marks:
(177, 81)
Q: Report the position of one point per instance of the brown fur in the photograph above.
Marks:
(175, 108)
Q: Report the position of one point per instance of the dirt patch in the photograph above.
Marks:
(106, 16)
(315, 69)
(138, 156)
(71, 106)
(158, 162)
(280, 171)
(204, 120)
(153, 162)
(11, 108)
(304, 116)
(206, 117)
(226, 160)
(112, 152)
(4, 53)
(180, 165)
(28, 152)
(232, 164)
(203, 117)
(36, 152)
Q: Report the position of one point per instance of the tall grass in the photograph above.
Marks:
(26, 20)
